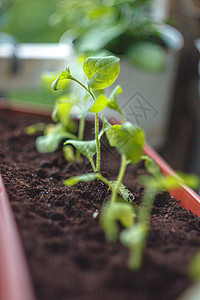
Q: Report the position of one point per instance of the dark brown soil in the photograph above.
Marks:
(68, 255)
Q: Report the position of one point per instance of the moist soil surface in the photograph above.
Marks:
(67, 252)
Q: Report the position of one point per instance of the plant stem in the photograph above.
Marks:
(122, 116)
(80, 134)
(93, 165)
(119, 179)
(97, 142)
(98, 159)
(96, 125)
(87, 89)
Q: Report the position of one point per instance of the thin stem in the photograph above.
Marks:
(98, 158)
(119, 179)
(96, 124)
(122, 116)
(87, 89)
(93, 165)
(104, 180)
(80, 134)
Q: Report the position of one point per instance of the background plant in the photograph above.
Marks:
(122, 27)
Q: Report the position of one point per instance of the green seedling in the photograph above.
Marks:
(101, 73)
(135, 237)
(128, 139)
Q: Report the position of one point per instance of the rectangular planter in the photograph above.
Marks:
(15, 282)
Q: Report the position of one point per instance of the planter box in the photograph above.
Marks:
(15, 280)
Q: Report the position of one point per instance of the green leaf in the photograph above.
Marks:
(151, 166)
(122, 191)
(48, 77)
(50, 142)
(191, 180)
(111, 214)
(100, 104)
(134, 239)
(112, 103)
(85, 177)
(101, 72)
(63, 75)
(148, 56)
(87, 148)
(62, 109)
(169, 182)
(105, 127)
(98, 37)
(96, 107)
(128, 139)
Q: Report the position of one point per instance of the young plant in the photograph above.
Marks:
(101, 73)
(135, 237)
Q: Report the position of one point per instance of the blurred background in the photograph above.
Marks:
(156, 40)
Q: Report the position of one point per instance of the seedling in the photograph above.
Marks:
(128, 139)
(101, 73)
(135, 237)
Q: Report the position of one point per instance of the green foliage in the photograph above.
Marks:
(50, 142)
(48, 77)
(111, 213)
(128, 139)
(63, 75)
(90, 43)
(62, 111)
(85, 178)
(148, 56)
(87, 148)
(103, 102)
(30, 21)
(105, 127)
(101, 71)
(151, 166)
(134, 239)
(122, 191)
(121, 27)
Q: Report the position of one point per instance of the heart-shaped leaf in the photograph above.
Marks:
(101, 71)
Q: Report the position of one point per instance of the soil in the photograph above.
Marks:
(67, 252)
